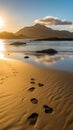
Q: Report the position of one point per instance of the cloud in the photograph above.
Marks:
(50, 20)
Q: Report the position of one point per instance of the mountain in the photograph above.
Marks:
(36, 32)
(39, 31)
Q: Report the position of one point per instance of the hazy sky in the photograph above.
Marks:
(20, 13)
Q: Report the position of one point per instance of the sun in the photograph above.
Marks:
(1, 22)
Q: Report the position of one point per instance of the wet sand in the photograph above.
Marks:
(34, 98)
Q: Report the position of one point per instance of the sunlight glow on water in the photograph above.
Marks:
(2, 49)
(2, 56)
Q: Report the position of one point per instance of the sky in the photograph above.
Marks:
(20, 13)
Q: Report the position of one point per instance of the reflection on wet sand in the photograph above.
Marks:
(7, 51)
(51, 59)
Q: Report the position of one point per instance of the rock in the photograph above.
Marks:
(48, 51)
(26, 57)
(18, 43)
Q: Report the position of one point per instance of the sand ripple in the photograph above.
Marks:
(33, 98)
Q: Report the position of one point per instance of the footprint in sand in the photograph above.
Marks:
(31, 89)
(40, 84)
(32, 119)
(32, 79)
(34, 100)
(48, 109)
(6, 76)
(32, 82)
(2, 79)
(14, 72)
(1, 83)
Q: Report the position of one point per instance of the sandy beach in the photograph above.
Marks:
(34, 98)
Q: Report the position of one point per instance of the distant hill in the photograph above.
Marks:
(38, 32)
(8, 35)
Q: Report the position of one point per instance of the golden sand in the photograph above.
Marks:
(34, 98)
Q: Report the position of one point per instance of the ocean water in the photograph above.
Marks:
(63, 60)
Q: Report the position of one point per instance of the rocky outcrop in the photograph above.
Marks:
(18, 43)
(48, 51)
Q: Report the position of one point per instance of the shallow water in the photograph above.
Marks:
(63, 60)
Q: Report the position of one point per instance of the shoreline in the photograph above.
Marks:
(43, 65)
(34, 97)
(41, 59)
